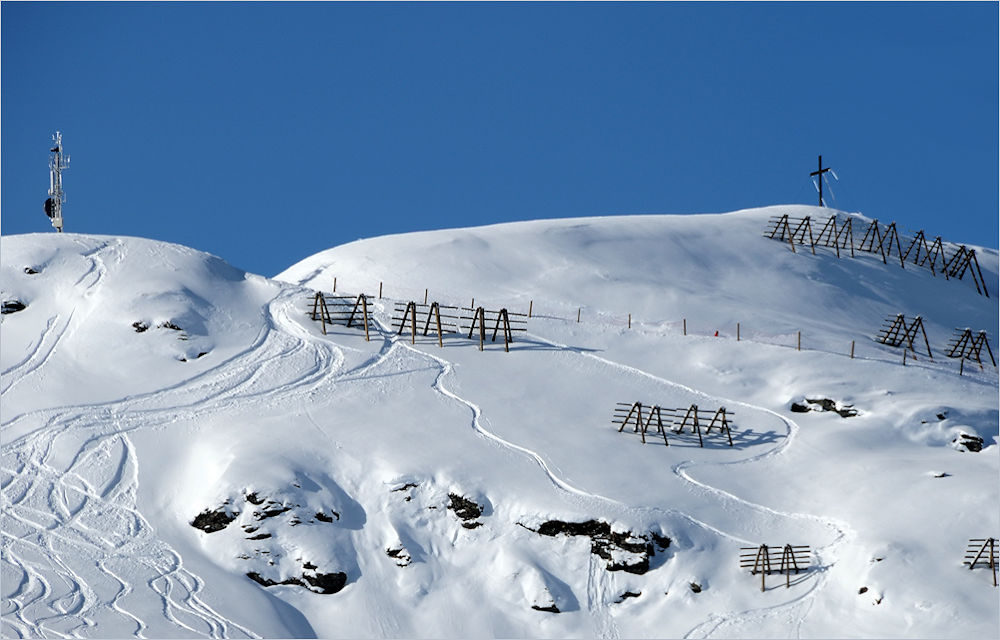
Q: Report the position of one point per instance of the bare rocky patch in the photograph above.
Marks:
(621, 550)
(264, 538)
(12, 306)
(970, 443)
(466, 510)
(823, 405)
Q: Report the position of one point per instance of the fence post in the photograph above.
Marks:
(852, 349)
(335, 284)
(799, 347)
(904, 356)
(380, 290)
(578, 314)
(961, 366)
(425, 296)
(630, 321)
(364, 304)
(531, 303)
(685, 326)
(737, 332)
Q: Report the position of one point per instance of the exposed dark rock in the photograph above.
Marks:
(695, 587)
(267, 582)
(322, 517)
(862, 590)
(971, 443)
(253, 499)
(466, 510)
(326, 582)
(408, 485)
(308, 565)
(139, 326)
(549, 609)
(942, 416)
(270, 513)
(604, 542)
(628, 594)
(169, 325)
(210, 521)
(260, 536)
(824, 404)
(30, 271)
(400, 555)
(12, 306)
(663, 542)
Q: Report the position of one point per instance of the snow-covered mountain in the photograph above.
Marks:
(185, 453)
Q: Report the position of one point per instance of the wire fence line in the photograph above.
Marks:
(862, 348)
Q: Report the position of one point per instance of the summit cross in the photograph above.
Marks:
(819, 178)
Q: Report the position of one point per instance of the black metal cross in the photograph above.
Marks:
(819, 178)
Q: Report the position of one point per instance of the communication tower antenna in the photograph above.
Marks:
(54, 203)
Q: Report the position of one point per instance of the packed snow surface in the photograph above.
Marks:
(185, 453)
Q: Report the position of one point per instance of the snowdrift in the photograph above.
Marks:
(185, 453)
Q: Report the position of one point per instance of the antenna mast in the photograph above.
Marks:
(54, 203)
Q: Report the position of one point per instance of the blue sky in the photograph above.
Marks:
(264, 133)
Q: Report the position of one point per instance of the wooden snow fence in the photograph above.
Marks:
(444, 318)
(886, 238)
(626, 413)
(962, 261)
(967, 346)
(982, 551)
(932, 252)
(501, 319)
(837, 232)
(800, 231)
(766, 560)
(334, 309)
(675, 419)
(896, 331)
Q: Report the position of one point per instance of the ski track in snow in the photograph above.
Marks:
(66, 515)
(39, 354)
(605, 627)
(62, 516)
(825, 555)
(58, 328)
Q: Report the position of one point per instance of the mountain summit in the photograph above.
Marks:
(190, 450)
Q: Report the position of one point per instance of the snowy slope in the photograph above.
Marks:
(334, 464)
